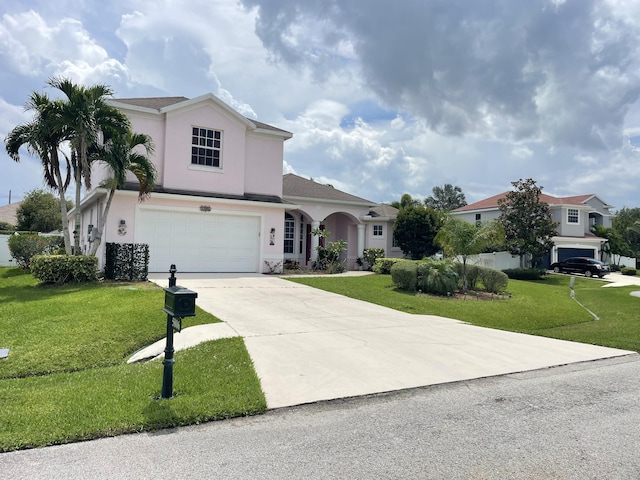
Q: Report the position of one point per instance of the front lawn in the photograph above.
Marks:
(539, 308)
(66, 376)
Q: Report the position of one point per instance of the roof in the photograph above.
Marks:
(249, 197)
(384, 210)
(492, 202)
(8, 213)
(296, 186)
(160, 103)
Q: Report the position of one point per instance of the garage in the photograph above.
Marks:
(564, 253)
(199, 242)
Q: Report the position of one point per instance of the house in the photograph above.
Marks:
(360, 222)
(576, 216)
(8, 213)
(221, 203)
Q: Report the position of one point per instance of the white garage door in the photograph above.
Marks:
(197, 242)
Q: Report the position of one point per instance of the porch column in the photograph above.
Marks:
(361, 230)
(315, 241)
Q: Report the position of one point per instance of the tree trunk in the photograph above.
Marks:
(78, 215)
(103, 221)
(63, 213)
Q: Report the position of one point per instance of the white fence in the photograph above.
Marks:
(497, 260)
(5, 256)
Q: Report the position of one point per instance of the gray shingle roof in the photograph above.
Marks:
(295, 186)
(8, 213)
(384, 210)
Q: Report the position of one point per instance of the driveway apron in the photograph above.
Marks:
(309, 345)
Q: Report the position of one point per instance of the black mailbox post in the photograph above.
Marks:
(179, 302)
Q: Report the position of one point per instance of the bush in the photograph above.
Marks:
(383, 265)
(494, 281)
(60, 269)
(370, 255)
(404, 275)
(525, 273)
(473, 275)
(436, 277)
(26, 245)
(614, 268)
(628, 271)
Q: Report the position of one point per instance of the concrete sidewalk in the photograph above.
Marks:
(309, 345)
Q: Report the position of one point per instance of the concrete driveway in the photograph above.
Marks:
(309, 345)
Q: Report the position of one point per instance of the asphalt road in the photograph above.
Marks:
(580, 421)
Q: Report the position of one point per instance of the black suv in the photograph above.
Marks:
(588, 266)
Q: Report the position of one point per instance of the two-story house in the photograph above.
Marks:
(221, 203)
(575, 215)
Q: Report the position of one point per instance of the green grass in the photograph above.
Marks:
(66, 377)
(540, 308)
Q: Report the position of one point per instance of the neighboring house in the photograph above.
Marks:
(360, 222)
(220, 202)
(575, 215)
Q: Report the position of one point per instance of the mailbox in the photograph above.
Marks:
(180, 301)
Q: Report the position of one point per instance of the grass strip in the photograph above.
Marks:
(213, 380)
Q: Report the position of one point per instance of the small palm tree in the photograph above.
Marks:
(464, 239)
(87, 117)
(43, 136)
(124, 153)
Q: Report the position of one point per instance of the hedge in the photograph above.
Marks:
(404, 275)
(383, 265)
(628, 271)
(61, 269)
(494, 281)
(525, 273)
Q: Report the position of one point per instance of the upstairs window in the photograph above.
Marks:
(573, 215)
(206, 147)
(377, 231)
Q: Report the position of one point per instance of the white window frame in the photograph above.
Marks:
(289, 234)
(573, 213)
(377, 228)
(205, 143)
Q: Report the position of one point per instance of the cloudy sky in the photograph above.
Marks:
(383, 98)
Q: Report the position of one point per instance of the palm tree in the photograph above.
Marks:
(460, 238)
(87, 117)
(43, 136)
(122, 154)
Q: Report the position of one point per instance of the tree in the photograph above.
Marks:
(460, 238)
(527, 221)
(415, 229)
(615, 244)
(43, 136)
(122, 154)
(446, 198)
(406, 201)
(625, 224)
(39, 211)
(86, 116)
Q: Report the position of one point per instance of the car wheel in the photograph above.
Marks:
(588, 273)
(556, 269)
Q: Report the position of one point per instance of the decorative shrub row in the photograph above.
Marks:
(442, 277)
(525, 273)
(383, 265)
(628, 271)
(26, 245)
(60, 269)
(127, 262)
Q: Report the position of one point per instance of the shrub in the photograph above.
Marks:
(370, 255)
(525, 273)
(26, 245)
(329, 255)
(290, 264)
(404, 275)
(60, 269)
(494, 281)
(628, 271)
(473, 275)
(383, 265)
(437, 277)
(614, 267)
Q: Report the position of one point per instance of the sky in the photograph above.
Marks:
(383, 98)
